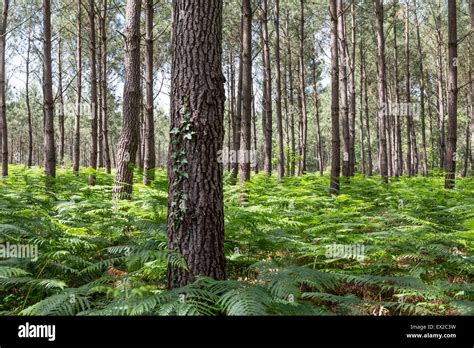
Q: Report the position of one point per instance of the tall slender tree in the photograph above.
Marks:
(452, 95)
(335, 138)
(281, 155)
(303, 119)
(132, 101)
(149, 134)
(93, 89)
(267, 118)
(343, 60)
(77, 119)
(246, 119)
(382, 90)
(48, 101)
(3, 105)
(104, 104)
(196, 225)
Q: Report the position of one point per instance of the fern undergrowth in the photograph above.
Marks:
(99, 257)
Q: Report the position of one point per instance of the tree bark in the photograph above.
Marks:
(422, 97)
(452, 96)
(367, 121)
(77, 122)
(281, 155)
(28, 104)
(246, 119)
(3, 105)
(303, 119)
(319, 143)
(105, 109)
(335, 139)
(93, 91)
(237, 121)
(291, 99)
(267, 98)
(343, 59)
(149, 136)
(441, 122)
(352, 95)
(195, 203)
(382, 89)
(48, 102)
(132, 101)
(361, 109)
(61, 103)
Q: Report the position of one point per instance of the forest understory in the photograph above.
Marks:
(97, 256)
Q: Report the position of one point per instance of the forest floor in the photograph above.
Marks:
(396, 249)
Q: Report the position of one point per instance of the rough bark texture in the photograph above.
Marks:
(382, 90)
(291, 99)
(28, 104)
(352, 94)
(195, 203)
(48, 102)
(422, 97)
(303, 119)
(335, 138)
(342, 44)
(398, 127)
(281, 155)
(61, 103)
(246, 119)
(237, 119)
(441, 140)
(149, 133)
(93, 90)
(105, 118)
(128, 144)
(267, 101)
(77, 121)
(3, 106)
(452, 95)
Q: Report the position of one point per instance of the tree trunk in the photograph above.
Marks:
(291, 99)
(61, 104)
(3, 105)
(452, 96)
(267, 100)
(319, 143)
(442, 144)
(398, 120)
(343, 59)
(335, 140)
(352, 95)
(196, 225)
(422, 97)
(382, 89)
(77, 123)
(367, 121)
(93, 91)
(246, 119)
(127, 147)
(105, 117)
(149, 136)
(28, 104)
(361, 110)
(237, 121)
(281, 155)
(303, 120)
(48, 102)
